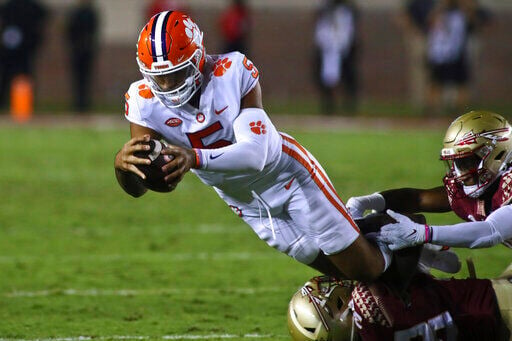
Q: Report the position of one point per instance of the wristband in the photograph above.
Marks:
(428, 234)
(198, 158)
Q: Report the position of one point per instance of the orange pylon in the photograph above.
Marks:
(22, 98)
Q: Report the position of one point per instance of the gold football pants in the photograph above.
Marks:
(503, 289)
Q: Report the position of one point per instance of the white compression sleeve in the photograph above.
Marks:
(494, 230)
(250, 151)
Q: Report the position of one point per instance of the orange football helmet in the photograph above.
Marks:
(171, 56)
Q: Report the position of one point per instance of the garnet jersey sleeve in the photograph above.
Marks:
(503, 195)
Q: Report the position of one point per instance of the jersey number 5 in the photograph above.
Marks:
(196, 139)
(250, 66)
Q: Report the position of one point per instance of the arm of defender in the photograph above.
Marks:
(127, 174)
(414, 200)
(476, 234)
(405, 200)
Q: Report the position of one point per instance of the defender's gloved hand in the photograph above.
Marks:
(404, 233)
(358, 205)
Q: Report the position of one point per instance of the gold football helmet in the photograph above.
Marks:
(478, 149)
(319, 311)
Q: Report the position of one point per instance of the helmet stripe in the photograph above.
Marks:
(164, 35)
(159, 33)
(152, 37)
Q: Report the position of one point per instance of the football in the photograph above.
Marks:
(154, 174)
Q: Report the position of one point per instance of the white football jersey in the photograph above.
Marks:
(227, 79)
(266, 177)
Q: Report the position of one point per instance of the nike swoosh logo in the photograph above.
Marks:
(218, 112)
(213, 157)
(289, 184)
(412, 233)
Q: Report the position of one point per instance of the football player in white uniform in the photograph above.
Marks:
(208, 109)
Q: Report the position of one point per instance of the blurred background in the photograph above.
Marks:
(82, 260)
(388, 70)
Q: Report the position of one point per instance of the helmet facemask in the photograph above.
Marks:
(471, 171)
(174, 86)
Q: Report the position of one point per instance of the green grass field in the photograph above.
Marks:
(80, 258)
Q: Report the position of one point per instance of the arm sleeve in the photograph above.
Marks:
(253, 130)
(494, 230)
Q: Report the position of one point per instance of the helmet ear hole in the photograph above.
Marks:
(500, 155)
(339, 303)
(311, 330)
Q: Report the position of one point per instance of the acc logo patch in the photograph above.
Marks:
(258, 128)
(236, 210)
(173, 122)
(221, 66)
(200, 117)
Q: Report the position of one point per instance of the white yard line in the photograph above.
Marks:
(163, 337)
(171, 257)
(286, 122)
(140, 292)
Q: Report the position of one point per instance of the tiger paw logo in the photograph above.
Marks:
(145, 92)
(192, 31)
(258, 128)
(221, 66)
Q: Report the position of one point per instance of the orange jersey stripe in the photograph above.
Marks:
(324, 176)
(320, 185)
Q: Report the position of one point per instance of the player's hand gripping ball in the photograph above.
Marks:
(154, 174)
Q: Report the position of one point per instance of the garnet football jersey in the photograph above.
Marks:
(436, 310)
(469, 209)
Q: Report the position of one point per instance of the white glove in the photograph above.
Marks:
(358, 205)
(435, 257)
(404, 233)
(387, 254)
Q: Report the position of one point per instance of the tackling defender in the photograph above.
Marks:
(477, 187)
(209, 110)
(326, 309)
